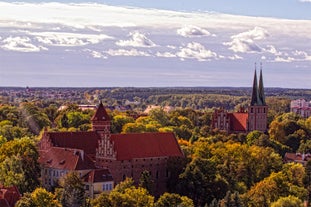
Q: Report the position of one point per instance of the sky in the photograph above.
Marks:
(117, 43)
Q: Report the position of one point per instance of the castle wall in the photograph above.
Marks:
(156, 166)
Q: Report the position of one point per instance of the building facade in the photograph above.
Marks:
(254, 118)
(301, 107)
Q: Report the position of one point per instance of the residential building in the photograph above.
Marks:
(297, 158)
(301, 107)
(255, 118)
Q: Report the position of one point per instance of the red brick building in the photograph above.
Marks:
(255, 118)
(125, 155)
(9, 196)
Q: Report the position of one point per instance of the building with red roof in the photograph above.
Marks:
(255, 118)
(9, 196)
(297, 158)
(114, 156)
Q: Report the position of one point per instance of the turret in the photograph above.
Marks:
(101, 120)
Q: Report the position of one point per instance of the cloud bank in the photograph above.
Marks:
(90, 35)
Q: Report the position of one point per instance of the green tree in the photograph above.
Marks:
(73, 193)
(253, 136)
(160, 116)
(19, 164)
(173, 200)
(102, 200)
(125, 195)
(38, 198)
(33, 118)
(289, 201)
(146, 181)
(118, 121)
(287, 182)
(2, 140)
(197, 181)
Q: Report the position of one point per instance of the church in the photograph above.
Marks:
(109, 158)
(254, 118)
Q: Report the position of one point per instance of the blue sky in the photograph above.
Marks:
(154, 43)
(292, 9)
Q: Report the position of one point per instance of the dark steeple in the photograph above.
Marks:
(261, 89)
(255, 96)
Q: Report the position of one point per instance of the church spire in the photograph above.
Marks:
(261, 88)
(255, 96)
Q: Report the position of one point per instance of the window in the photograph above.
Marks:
(87, 187)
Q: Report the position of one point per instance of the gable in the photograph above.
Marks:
(144, 145)
(65, 159)
(238, 122)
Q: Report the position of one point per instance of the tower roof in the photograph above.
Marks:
(255, 96)
(261, 89)
(101, 114)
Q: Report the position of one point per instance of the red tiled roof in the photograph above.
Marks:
(144, 145)
(66, 159)
(238, 121)
(101, 114)
(87, 141)
(9, 196)
(98, 176)
(296, 157)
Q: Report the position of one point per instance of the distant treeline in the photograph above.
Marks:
(139, 98)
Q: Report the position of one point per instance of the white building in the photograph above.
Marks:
(301, 107)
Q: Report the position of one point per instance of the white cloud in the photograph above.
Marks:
(245, 42)
(308, 1)
(171, 46)
(197, 51)
(235, 57)
(131, 52)
(95, 54)
(136, 40)
(20, 44)
(193, 31)
(302, 55)
(165, 54)
(68, 39)
(284, 59)
(271, 49)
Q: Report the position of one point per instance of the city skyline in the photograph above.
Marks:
(125, 43)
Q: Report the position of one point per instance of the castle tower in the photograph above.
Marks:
(258, 109)
(101, 124)
(101, 120)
